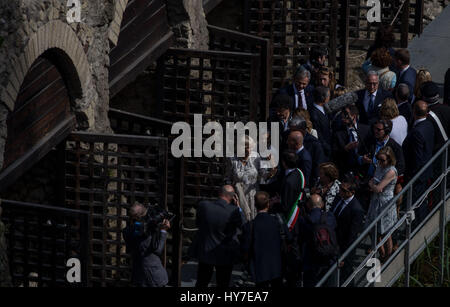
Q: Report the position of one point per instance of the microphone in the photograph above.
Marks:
(339, 102)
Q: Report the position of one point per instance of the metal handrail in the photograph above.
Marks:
(370, 228)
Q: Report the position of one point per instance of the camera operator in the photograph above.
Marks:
(145, 242)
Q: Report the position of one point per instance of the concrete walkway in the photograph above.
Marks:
(432, 49)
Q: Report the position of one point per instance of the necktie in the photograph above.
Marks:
(371, 104)
(302, 102)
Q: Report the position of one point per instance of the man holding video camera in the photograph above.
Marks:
(145, 238)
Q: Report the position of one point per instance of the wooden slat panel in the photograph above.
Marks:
(43, 103)
(144, 36)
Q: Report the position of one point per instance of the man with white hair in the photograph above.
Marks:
(371, 98)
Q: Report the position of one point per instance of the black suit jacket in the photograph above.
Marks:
(364, 117)
(418, 148)
(289, 90)
(443, 113)
(409, 78)
(315, 149)
(321, 123)
(347, 161)
(216, 242)
(349, 222)
(262, 242)
(304, 163)
(406, 111)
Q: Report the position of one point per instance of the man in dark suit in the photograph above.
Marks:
(216, 245)
(418, 148)
(262, 243)
(439, 114)
(406, 74)
(301, 90)
(312, 145)
(146, 245)
(381, 130)
(314, 269)
(404, 106)
(304, 160)
(351, 141)
(370, 99)
(349, 216)
(319, 118)
(291, 188)
(282, 106)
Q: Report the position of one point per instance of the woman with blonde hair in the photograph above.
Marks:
(245, 173)
(389, 111)
(423, 76)
(309, 126)
(382, 186)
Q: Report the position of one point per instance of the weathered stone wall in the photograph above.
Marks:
(188, 21)
(30, 27)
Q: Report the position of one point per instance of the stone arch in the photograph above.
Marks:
(114, 28)
(55, 35)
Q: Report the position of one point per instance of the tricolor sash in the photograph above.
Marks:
(295, 210)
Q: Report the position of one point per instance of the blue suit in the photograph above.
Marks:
(409, 78)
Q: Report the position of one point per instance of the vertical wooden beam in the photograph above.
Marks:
(177, 229)
(405, 25)
(333, 32)
(246, 16)
(344, 31)
(418, 22)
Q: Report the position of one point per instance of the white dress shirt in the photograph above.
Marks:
(302, 93)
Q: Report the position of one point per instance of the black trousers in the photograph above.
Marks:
(205, 271)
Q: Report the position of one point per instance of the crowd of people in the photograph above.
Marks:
(338, 171)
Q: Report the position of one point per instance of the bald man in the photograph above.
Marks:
(216, 244)
(304, 161)
(418, 150)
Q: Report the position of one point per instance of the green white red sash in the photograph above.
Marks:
(295, 210)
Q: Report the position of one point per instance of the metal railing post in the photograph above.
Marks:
(408, 237)
(443, 215)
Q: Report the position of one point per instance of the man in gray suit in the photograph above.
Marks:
(216, 245)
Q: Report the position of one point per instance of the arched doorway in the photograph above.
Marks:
(42, 104)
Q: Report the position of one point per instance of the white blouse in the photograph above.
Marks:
(399, 129)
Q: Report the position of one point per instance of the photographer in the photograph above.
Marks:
(145, 239)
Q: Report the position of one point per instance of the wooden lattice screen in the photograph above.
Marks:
(223, 87)
(222, 39)
(362, 33)
(293, 27)
(105, 174)
(41, 239)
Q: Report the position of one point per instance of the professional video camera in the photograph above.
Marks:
(152, 220)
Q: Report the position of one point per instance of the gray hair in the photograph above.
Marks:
(372, 73)
(301, 73)
(321, 93)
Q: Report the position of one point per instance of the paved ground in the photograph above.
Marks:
(432, 49)
(189, 275)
